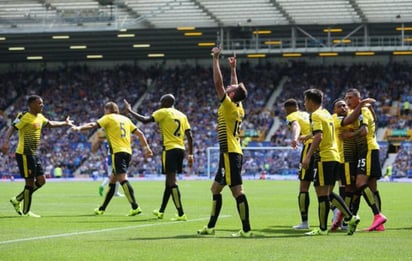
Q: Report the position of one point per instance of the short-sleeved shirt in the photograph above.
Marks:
(366, 118)
(229, 120)
(302, 118)
(172, 124)
(29, 127)
(322, 121)
(347, 148)
(118, 129)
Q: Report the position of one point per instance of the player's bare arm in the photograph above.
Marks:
(295, 135)
(147, 150)
(233, 74)
(87, 126)
(5, 146)
(139, 117)
(217, 74)
(355, 113)
(317, 138)
(190, 158)
(55, 124)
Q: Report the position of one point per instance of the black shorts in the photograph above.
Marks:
(29, 166)
(325, 173)
(306, 174)
(120, 162)
(369, 164)
(230, 169)
(347, 172)
(172, 161)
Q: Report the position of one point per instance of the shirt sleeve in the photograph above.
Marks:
(158, 115)
(18, 122)
(102, 121)
(366, 116)
(316, 123)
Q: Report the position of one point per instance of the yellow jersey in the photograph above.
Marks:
(229, 121)
(173, 124)
(366, 118)
(322, 121)
(347, 148)
(302, 118)
(118, 129)
(29, 127)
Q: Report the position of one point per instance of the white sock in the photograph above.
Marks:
(105, 181)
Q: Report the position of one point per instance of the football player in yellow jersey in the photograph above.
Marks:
(230, 116)
(299, 125)
(174, 126)
(346, 134)
(118, 129)
(346, 144)
(29, 125)
(326, 161)
(98, 139)
(369, 170)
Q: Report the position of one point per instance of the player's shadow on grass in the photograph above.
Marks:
(165, 237)
(102, 219)
(114, 219)
(13, 216)
(399, 228)
(227, 234)
(281, 232)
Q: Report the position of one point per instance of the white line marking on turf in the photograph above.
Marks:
(99, 231)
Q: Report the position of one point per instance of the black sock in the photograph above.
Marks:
(243, 209)
(27, 196)
(129, 192)
(177, 200)
(323, 212)
(356, 202)
(378, 200)
(348, 200)
(216, 207)
(165, 199)
(370, 198)
(304, 201)
(340, 204)
(108, 197)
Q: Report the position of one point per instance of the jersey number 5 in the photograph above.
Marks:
(122, 130)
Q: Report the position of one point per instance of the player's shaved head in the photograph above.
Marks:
(167, 100)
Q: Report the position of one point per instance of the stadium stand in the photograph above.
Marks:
(402, 166)
(80, 92)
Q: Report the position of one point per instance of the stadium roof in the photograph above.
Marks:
(58, 30)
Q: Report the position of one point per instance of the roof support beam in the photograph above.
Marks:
(310, 36)
(210, 14)
(358, 10)
(293, 36)
(351, 33)
(136, 17)
(283, 11)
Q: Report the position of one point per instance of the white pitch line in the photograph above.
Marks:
(98, 231)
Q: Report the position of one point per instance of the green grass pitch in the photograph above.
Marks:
(68, 229)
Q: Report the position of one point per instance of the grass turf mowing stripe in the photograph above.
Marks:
(101, 231)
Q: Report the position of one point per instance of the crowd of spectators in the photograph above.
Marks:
(81, 92)
(402, 167)
(390, 85)
(78, 92)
